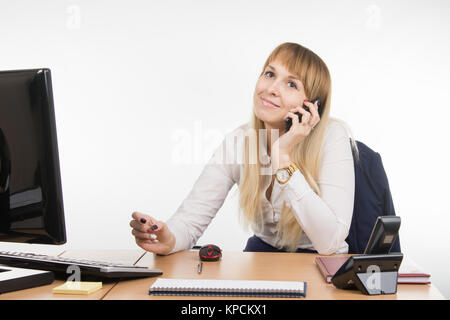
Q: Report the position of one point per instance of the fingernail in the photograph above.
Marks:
(143, 220)
(154, 227)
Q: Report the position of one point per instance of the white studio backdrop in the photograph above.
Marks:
(145, 90)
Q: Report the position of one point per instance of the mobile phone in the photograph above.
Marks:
(288, 121)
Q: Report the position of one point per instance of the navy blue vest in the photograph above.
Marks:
(372, 198)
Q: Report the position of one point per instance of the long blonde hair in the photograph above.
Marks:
(314, 75)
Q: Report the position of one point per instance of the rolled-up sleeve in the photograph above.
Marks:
(326, 219)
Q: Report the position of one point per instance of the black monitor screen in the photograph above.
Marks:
(31, 204)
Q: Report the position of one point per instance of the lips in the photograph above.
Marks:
(269, 103)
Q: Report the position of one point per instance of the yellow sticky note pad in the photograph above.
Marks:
(78, 287)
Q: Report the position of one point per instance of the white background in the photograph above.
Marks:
(139, 84)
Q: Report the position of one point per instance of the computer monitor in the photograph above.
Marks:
(31, 202)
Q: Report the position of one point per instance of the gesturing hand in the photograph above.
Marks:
(151, 235)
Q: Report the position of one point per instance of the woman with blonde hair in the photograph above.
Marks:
(296, 186)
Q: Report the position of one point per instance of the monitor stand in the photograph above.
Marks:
(12, 278)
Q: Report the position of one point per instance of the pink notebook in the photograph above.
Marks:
(409, 272)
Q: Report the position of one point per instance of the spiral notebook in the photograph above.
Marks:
(213, 287)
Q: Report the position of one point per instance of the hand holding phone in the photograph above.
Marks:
(288, 121)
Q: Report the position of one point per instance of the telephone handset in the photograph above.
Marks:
(288, 121)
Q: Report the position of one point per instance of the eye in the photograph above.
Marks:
(268, 72)
(295, 86)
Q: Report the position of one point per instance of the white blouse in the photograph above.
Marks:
(325, 220)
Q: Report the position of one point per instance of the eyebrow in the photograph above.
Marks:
(289, 77)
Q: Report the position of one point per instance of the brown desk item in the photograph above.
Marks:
(45, 292)
(252, 266)
(329, 266)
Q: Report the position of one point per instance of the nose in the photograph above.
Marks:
(274, 89)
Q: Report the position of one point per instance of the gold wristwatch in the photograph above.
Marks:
(284, 174)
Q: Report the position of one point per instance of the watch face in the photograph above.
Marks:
(282, 175)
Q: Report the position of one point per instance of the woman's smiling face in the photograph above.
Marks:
(276, 92)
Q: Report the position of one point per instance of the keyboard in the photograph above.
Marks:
(88, 268)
